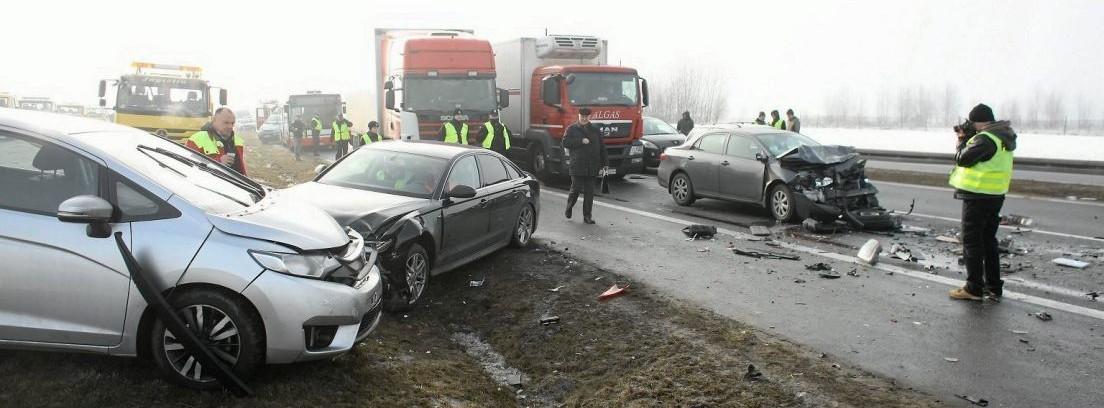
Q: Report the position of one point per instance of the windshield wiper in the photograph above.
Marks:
(247, 185)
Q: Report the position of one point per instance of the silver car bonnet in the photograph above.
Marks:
(283, 220)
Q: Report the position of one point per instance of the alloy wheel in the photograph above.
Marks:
(416, 272)
(525, 226)
(215, 329)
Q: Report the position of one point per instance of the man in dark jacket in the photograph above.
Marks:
(587, 152)
(685, 125)
(981, 177)
(297, 129)
(793, 124)
(455, 130)
(494, 135)
(762, 119)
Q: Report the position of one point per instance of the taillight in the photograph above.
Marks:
(662, 156)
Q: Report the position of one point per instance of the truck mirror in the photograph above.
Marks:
(388, 85)
(550, 91)
(103, 89)
(503, 98)
(343, 108)
(570, 78)
(287, 110)
(644, 91)
(103, 103)
(389, 99)
(222, 97)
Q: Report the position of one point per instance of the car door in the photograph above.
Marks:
(502, 194)
(702, 162)
(58, 284)
(466, 220)
(740, 175)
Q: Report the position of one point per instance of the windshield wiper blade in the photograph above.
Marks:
(250, 186)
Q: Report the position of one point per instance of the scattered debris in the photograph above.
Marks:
(981, 402)
(699, 231)
(819, 266)
(547, 320)
(951, 359)
(476, 284)
(829, 275)
(853, 272)
(1072, 263)
(1018, 220)
(1044, 316)
(799, 280)
(869, 251)
(947, 239)
(900, 251)
(612, 292)
(764, 255)
(1019, 332)
(915, 230)
(817, 227)
(1093, 295)
(753, 374)
(1025, 341)
(636, 177)
(703, 249)
(760, 231)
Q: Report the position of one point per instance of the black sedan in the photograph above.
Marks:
(658, 136)
(427, 207)
(790, 174)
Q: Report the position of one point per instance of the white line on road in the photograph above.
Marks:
(1016, 196)
(1052, 233)
(1035, 300)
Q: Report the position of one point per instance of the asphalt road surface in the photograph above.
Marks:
(893, 319)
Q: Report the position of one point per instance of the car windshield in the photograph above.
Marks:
(447, 94)
(387, 172)
(780, 143)
(587, 88)
(156, 95)
(653, 126)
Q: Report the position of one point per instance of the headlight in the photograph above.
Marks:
(308, 266)
(647, 145)
(636, 150)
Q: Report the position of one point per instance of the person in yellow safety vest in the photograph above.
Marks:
(218, 141)
(372, 135)
(981, 177)
(316, 132)
(341, 135)
(495, 135)
(455, 130)
(777, 122)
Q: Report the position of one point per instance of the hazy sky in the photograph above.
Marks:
(776, 54)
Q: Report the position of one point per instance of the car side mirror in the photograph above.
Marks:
(761, 157)
(503, 98)
(103, 88)
(88, 209)
(461, 191)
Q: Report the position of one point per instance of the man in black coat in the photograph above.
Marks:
(685, 125)
(587, 152)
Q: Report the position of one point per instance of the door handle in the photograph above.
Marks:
(483, 202)
(724, 163)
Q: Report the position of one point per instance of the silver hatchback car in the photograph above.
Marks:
(260, 278)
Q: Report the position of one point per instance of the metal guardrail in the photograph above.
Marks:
(1024, 163)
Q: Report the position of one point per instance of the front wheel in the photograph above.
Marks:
(523, 231)
(781, 203)
(233, 332)
(415, 271)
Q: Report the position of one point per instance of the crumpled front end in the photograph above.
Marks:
(829, 184)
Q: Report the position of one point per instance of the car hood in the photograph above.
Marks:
(364, 211)
(286, 220)
(806, 156)
(665, 139)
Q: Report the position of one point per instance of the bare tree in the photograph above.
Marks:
(1055, 111)
(883, 107)
(701, 90)
(949, 106)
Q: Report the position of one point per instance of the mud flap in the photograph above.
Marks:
(173, 323)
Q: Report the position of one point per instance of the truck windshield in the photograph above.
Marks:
(447, 94)
(168, 96)
(603, 89)
(305, 107)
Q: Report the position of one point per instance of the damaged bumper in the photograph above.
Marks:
(829, 184)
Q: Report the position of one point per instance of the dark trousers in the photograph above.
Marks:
(980, 221)
(342, 149)
(314, 135)
(585, 185)
(296, 145)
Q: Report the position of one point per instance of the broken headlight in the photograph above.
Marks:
(824, 182)
(382, 245)
(307, 266)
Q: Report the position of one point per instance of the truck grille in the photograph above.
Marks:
(615, 130)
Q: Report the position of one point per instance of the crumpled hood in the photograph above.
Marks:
(1003, 130)
(803, 156)
(364, 211)
(284, 220)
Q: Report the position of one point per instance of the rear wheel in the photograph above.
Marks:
(415, 271)
(523, 231)
(682, 190)
(781, 203)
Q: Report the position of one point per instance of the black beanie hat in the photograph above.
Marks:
(981, 113)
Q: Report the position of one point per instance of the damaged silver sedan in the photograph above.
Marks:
(791, 175)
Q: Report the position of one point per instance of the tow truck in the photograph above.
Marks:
(171, 101)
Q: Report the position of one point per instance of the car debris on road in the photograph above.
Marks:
(613, 291)
(1044, 316)
(1072, 263)
(869, 252)
(760, 231)
(981, 402)
(547, 320)
(763, 254)
(699, 231)
(1018, 220)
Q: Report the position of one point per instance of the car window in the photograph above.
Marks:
(714, 143)
(133, 204)
(511, 171)
(387, 172)
(464, 173)
(37, 177)
(492, 169)
(742, 147)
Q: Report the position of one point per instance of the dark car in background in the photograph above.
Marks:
(426, 207)
(791, 175)
(658, 136)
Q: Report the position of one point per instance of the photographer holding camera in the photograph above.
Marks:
(981, 177)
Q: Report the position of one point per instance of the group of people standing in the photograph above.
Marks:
(792, 123)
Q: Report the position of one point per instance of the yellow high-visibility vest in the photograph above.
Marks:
(340, 131)
(450, 133)
(992, 176)
(491, 135)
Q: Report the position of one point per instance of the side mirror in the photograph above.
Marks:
(88, 209)
(762, 157)
(319, 169)
(103, 88)
(103, 103)
(644, 91)
(550, 91)
(570, 79)
(389, 99)
(222, 97)
(461, 191)
(503, 98)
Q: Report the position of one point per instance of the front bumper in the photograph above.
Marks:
(292, 308)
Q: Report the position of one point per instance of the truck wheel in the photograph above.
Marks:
(539, 160)
(682, 190)
(781, 203)
(232, 330)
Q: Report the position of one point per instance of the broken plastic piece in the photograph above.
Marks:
(612, 292)
(947, 239)
(819, 266)
(760, 231)
(829, 275)
(1044, 316)
(476, 284)
(951, 359)
(1072, 263)
(547, 320)
(556, 289)
(766, 255)
(869, 251)
(753, 374)
(981, 402)
(1092, 296)
(699, 231)
(1019, 220)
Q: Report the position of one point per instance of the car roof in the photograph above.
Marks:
(53, 124)
(426, 148)
(742, 128)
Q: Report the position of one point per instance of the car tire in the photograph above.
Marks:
(781, 203)
(523, 230)
(234, 329)
(682, 189)
(415, 268)
(539, 161)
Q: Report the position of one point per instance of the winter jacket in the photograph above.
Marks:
(222, 142)
(794, 125)
(297, 128)
(500, 132)
(685, 125)
(586, 159)
(981, 149)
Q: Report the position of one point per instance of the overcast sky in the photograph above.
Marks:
(777, 54)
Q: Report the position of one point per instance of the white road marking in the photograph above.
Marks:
(1016, 196)
(1010, 227)
(1035, 300)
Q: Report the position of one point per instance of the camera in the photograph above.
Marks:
(966, 128)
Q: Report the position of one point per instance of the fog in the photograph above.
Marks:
(774, 55)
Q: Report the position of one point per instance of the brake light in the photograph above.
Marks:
(662, 156)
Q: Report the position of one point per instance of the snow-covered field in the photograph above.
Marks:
(1043, 146)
